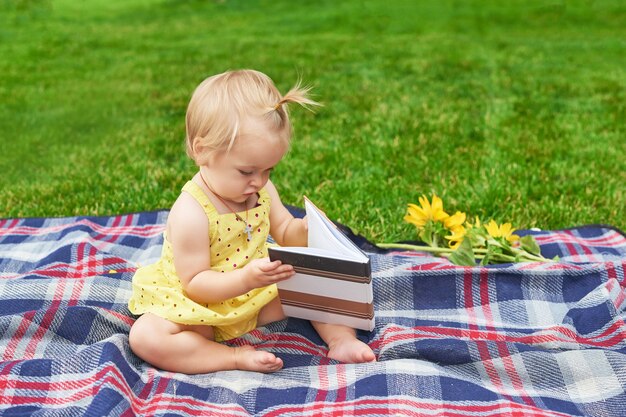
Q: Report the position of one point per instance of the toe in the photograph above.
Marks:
(267, 358)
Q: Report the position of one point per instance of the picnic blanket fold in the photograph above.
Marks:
(514, 339)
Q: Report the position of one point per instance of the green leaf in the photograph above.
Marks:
(463, 255)
(529, 244)
(425, 237)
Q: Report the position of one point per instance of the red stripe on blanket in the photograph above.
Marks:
(442, 265)
(8, 224)
(73, 270)
(113, 238)
(342, 382)
(71, 391)
(127, 230)
(18, 335)
(583, 246)
(322, 377)
(503, 351)
(6, 383)
(394, 406)
(44, 325)
(482, 346)
(612, 280)
(612, 336)
(77, 288)
(609, 239)
(288, 341)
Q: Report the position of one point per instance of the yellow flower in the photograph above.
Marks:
(454, 221)
(505, 231)
(420, 215)
(454, 224)
(457, 236)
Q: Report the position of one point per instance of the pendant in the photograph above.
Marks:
(248, 230)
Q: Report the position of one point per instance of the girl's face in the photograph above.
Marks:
(237, 175)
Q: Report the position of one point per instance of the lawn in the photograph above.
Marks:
(507, 110)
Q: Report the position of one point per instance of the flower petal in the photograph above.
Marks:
(513, 238)
(440, 215)
(417, 221)
(415, 215)
(455, 220)
(425, 204)
(493, 229)
(437, 203)
(457, 236)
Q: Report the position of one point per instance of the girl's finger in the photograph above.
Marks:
(270, 266)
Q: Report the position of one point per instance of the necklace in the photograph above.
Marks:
(247, 229)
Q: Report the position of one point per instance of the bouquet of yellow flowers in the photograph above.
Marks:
(462, 242)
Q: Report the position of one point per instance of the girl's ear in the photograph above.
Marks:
(199, 151)
(196, 146)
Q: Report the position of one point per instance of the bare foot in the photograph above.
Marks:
(250, 359)
(351, 350)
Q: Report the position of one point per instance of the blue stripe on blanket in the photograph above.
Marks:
(523, 339)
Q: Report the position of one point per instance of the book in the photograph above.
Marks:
(333, 279)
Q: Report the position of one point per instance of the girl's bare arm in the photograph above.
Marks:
(285, 229)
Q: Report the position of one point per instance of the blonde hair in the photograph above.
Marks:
(221, 102)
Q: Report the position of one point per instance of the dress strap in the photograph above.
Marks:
(196, 192)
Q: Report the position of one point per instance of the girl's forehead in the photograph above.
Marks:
(258, 150)
(260, 132)
(258, 125)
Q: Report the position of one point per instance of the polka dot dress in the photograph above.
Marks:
(158, 290)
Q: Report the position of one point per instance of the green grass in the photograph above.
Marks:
(514, 112)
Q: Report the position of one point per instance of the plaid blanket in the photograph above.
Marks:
(515, 340)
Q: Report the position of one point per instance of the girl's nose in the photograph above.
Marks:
(256, 181)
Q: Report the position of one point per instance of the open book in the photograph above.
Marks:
(333, 280)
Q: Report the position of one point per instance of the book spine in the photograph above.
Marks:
(332, 267)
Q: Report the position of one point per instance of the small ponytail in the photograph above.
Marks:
(299, 95)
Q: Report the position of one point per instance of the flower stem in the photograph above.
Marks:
(479, 253)
(422, 248)
(413, 247)
(529, 256)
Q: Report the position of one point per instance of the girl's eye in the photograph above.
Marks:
(245, 172)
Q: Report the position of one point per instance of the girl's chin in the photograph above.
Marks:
(242, 198)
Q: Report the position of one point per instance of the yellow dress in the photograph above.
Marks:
(158, 290)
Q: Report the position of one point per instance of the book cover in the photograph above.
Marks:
(333, 280)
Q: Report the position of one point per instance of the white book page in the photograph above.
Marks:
(323, 234)
(322, 253)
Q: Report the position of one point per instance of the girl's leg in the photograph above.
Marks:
(191, 350)
(341, 340)
(271, 313)
(343, 344)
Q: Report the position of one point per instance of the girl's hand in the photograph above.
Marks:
(263, 272)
